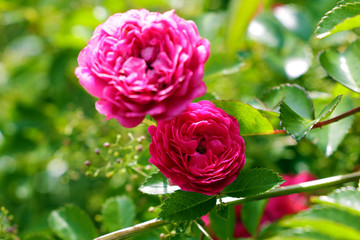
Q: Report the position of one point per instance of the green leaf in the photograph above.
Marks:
(253, 182)
(330, 221)
(343, 2)
(348, 199)
(271, 34)
(223, 228)
(295, 96)
(72, 223)
(295, 234)
(118, 212)
(336, 217)
(328, 109)
(343, 67)
(292, 60)
(340, 18)
(329, 137)
(293, 123)
(240, 15)
(250, 120)
(294, 20)
(223, 211)
(37, 236)
(157, 183)
(251, 214)
(298, 126)
(184, 206)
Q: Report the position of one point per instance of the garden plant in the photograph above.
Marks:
(180, 120)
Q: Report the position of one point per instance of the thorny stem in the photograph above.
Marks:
(326, 122)
(297, 188)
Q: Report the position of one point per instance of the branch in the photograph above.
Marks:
(297, 188)
(324, 123)
(134, 230)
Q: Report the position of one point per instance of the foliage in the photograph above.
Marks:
(335, 216)
(55, 149)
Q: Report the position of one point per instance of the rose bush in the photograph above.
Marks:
(200, 150)
(142, 62)
(276, 207)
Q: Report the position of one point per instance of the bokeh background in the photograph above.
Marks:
(50, 131)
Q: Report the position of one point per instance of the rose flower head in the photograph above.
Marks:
(142, 62)
(200, 150)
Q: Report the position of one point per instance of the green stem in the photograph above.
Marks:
(203, 230)
(140, 172)
(134, 230)
(298, 188)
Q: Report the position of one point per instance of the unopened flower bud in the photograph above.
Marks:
(141, 139)
(139, 148)
(97, 151)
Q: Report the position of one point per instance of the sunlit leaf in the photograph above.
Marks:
(240, 14)
(266, 29)
(157, 183)
(118, 212)
(347, 198)
(340, 18)
(72, 223)
(343, 67)
(250, 120)
(294, 20)
(329, 137)
(330, 221)
(37, 237)
(336, 216)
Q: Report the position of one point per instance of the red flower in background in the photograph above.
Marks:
(276, 207)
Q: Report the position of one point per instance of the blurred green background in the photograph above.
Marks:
(49, 127)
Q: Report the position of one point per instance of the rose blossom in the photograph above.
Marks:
(142, 62)
(200, 150)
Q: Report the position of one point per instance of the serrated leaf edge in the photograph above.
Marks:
(254, 169)
(327, 14)
(170, 219)
(292, 85)
(292, 135)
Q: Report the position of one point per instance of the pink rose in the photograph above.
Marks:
(200, 150)
(142, 62)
